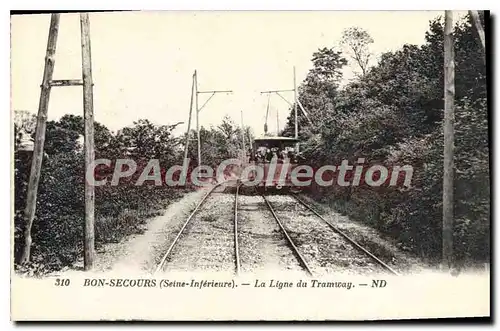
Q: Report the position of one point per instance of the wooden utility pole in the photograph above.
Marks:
(88, 110)
(295, 105)
(295, 110)
(479, 28)
(277, 122)
(243, 132)
(198, 109)
(449, 118)
(190, 115)
(197, 117)
(88, 107)
(36, 163)
(243, 137)
(267, 113)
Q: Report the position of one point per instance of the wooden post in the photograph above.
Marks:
(277, 122)
(197, 117)
(479, 28)
(36, 163)
(88, 109)
(295, 109)
(295, 105)
(449, 118)
(243, 138)
(189, 121)
(267, 112)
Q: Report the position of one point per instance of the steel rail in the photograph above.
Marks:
(161, 265)
(236, 247)
(301, 259)
(340, 232)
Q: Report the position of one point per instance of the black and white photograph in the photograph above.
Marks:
(282, 157)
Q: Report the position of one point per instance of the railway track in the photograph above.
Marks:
(236, 246)
(167, 254)
(293, 247)
(344, 236)
(161, 265)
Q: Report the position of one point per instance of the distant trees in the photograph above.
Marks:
(24, 120)
(220, 143)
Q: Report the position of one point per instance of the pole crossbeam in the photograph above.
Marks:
(275, 91)
(66, 82)
(221, 91)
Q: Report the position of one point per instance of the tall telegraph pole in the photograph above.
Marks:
(198, 109)
(88, 110)
(197, 116)
(295, 105)
(449, 119)
(295, 108)
(188, 133)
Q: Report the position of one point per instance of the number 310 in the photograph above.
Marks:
(62, 282)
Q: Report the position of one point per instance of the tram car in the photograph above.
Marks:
(281, 149)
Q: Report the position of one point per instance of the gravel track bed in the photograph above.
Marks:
(262, 245)
(383, 247)
(324, 250)
(207, 243)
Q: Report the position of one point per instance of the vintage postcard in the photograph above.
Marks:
(250, 165)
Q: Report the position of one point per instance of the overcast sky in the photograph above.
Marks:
(143, 61)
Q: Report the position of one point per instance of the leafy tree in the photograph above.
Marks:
(357, 42)
(219, 143)
(318, 90)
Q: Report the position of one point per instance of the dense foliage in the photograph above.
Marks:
(120, 210)
(219, 143)
(392, 115)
